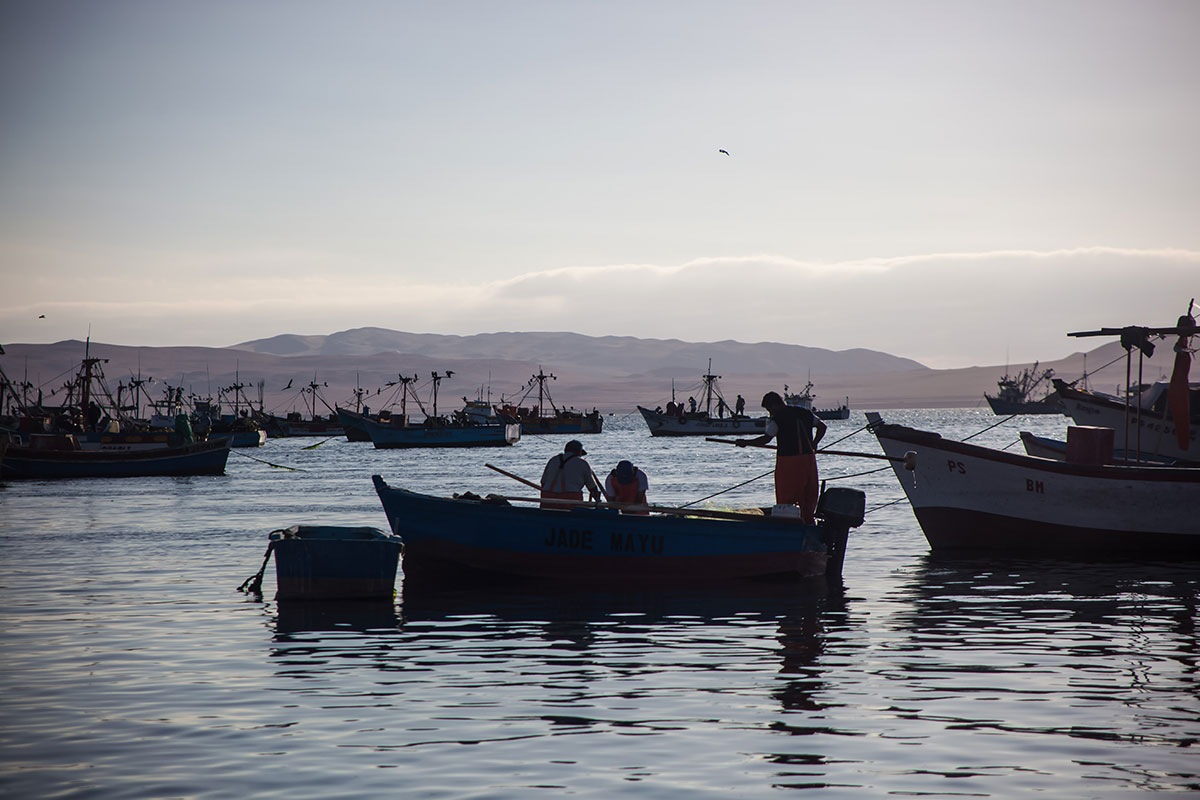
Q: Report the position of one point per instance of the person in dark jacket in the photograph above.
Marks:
(798, 431)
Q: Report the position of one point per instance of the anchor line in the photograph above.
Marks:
(268, 463)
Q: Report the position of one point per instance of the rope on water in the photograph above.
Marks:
(318, 444)
(253, 584)
(268, 463)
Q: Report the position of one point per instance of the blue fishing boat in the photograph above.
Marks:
(470, 538)
(63, 458)
(440, 432)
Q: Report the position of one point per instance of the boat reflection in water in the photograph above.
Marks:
(1085, 640)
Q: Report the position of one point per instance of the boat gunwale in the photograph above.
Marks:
(1142, 472)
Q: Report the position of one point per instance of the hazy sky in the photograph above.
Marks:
(956, 182)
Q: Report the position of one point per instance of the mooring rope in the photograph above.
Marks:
(268, 463)
(253, 584)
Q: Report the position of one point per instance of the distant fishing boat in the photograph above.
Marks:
(240, 424)
(468, 538)
(804, 399)
(1016, 395)
(295, 424)
(456, 430)
(696, 419)
(535, 418)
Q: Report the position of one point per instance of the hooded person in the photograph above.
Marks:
(627, 485)
(566, 475)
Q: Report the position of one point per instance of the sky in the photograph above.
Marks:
(961, 183)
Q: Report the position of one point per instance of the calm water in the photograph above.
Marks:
(133, 668)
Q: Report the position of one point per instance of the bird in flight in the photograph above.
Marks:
(284, 389)
(726, 152)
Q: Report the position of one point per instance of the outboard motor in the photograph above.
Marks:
(839, 510)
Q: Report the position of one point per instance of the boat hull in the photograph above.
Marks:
(969, 498)
(461, 539)
(1047, 405)
(388, 437)
(282, 428)
(353, 425)
(841, 412)
(242, 438)
(661, 424)
(591, 423)
(202, 458)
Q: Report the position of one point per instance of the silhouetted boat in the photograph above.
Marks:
(535, 418)
(696, 419)
(804, 399)
(58, 456)
(469, 538)
(1016, 395)
(457, 430)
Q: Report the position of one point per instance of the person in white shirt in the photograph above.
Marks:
(566, 475)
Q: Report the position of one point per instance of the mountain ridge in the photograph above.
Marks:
(586, 376)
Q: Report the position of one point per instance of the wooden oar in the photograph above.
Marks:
(530, 484)
(678, 512)
(909, 460)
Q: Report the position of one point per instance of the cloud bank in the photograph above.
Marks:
(943, 309)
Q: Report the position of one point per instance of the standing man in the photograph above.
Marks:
(740, 406)
(796, 453)
(566, 474)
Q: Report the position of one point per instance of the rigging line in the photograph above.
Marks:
(848, 435)
(1009, 418)
(1097, 369)
(857, 474)
(730, 489)
(885, 505)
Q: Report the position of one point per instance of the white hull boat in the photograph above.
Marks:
(969, 498)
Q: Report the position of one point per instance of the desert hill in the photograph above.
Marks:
(611, 373)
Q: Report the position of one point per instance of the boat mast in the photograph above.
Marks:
(437, 379)
(85, 391)
(708, 389)
(541, 379)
